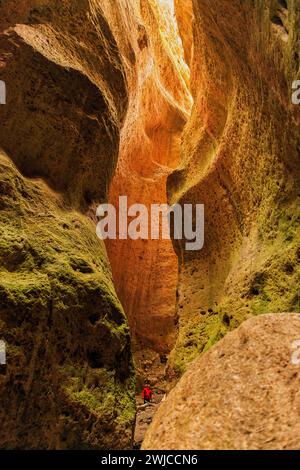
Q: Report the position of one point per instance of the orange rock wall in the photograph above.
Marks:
(145, 272)
(185, 19)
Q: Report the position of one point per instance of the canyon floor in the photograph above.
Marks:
(144, 417)
(151, 368)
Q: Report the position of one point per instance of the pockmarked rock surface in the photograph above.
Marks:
(101, 103)
(240, 158)
(69, 378)
(244, 393)
(159, 107)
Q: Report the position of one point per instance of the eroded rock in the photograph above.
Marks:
(159, 106)
(242, 394)
(69, 379)
(240, 158)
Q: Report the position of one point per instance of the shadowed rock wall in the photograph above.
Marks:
(69, 380)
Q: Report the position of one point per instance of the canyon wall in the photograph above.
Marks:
(69, 379)
(99, 105)
(239, 157)
(146, 271)
(184, 13)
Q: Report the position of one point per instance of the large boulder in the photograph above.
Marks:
(244, 393)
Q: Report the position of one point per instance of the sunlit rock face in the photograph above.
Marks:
(185, 17)
(243, 394)
(68, 382)
(240, 157)
(146, 272)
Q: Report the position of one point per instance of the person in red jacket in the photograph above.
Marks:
(147, 394)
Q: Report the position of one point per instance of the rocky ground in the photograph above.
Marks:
(152, 368)
(145, 415)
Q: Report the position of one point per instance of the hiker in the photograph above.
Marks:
(147, 394)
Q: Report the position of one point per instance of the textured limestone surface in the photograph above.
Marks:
(185, 17)
(244, 393)
(146, 271)
(66, 94)
(186, 101)
(69, 379)
(240, 157)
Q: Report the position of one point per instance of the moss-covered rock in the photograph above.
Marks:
(240, 157)
(69, 377)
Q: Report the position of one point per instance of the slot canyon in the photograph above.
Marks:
(165, 102)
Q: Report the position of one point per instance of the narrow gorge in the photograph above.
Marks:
(162, 102)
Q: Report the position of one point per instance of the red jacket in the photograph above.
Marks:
(147, 393)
